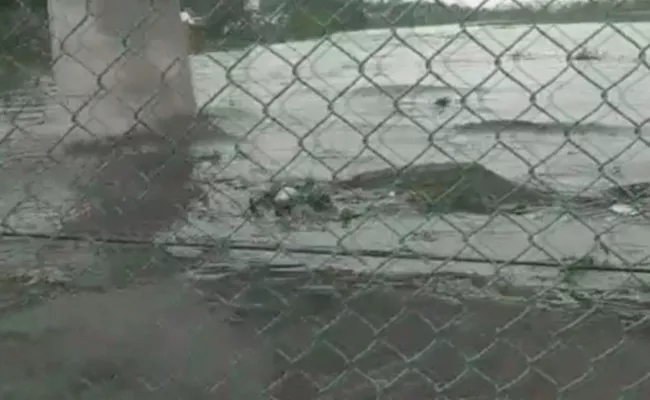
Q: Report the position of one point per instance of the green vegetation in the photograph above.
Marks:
(279, 20)
(311, 18)
(414, 14)
(232, 23)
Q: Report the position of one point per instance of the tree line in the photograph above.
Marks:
(278, 20)
(23, 23)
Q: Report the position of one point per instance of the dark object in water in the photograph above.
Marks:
(316, 197)
(252, 207)
(442, 102)
(541, 127)
(450, 187)
(630, 192)
(283, 211)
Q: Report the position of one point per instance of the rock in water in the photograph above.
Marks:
(442, 102)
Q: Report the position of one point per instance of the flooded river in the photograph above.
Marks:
(364, 101)
(328, 110)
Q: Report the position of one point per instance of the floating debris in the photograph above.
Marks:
(442, 102)
(189, 17)
(283, 198)
(285, 195)
(624, 209)
(516, 209)
(346, 215)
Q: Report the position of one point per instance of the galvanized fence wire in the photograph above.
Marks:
(364, 209)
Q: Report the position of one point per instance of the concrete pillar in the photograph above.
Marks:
(121, 64)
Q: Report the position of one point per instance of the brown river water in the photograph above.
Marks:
(331, 109)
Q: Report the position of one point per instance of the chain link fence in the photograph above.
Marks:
(327, 200)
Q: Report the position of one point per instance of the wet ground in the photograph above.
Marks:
(332, 120)
(303, 332)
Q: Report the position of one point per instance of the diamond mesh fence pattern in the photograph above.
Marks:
(322, 200)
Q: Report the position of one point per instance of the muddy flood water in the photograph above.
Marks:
(503, 320)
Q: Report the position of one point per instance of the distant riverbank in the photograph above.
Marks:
(24, 35)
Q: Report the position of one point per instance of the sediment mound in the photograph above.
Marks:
(397, 91)
(516, 125)
(451, 187)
